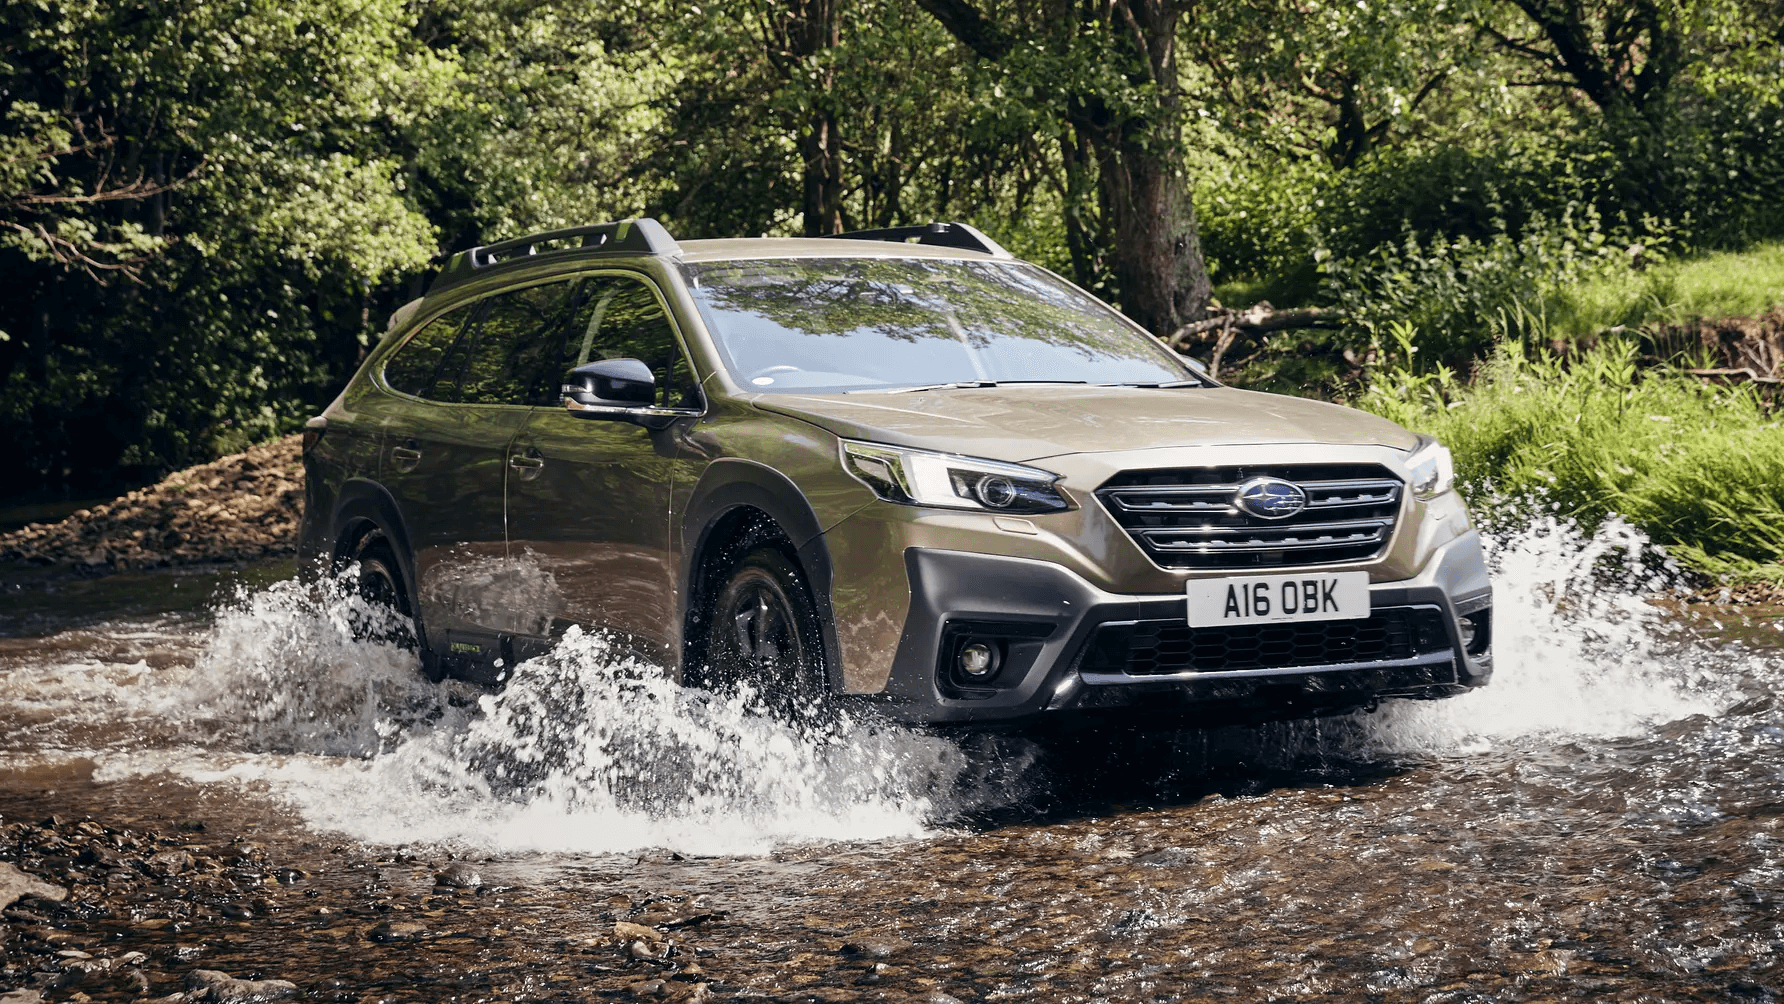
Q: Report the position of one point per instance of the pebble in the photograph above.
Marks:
(21, 997)
(459, 875)
(235, 911)
(165, 864)
(397, 930)
(627, 931)
(222, 988)
(875, 948)
(16, 885)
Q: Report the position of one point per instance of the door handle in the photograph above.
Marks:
(528, 464)
(405, 457)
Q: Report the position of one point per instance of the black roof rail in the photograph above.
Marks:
(629, 237)
(948, 235)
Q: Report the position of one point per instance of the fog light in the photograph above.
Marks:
(1467, 625)
(978, 660)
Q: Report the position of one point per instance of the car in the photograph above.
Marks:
(897, 468)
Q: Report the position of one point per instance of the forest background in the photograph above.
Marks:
(1505, 221)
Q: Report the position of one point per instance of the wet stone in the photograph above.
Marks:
(221, 988)
(235, 911)
(16, 885)
(397, 930)
(165, 864)
(875, 948)
(458, 875)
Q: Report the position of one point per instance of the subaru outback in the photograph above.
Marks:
(898, 467)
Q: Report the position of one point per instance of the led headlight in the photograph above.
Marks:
(918, 477)
(1433, 472)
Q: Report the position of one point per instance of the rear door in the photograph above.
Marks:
(588, 500)
(448, 469)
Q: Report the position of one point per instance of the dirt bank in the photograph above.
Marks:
(243, 507)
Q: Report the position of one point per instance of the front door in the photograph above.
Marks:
(588, 500)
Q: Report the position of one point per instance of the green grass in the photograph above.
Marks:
(1719, 285)
(1700, 469)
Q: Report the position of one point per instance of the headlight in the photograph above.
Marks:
(1433, 472)
(918, 477)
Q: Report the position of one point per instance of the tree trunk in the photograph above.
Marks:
(816, 31)
(1157, 254)
(1154, 251)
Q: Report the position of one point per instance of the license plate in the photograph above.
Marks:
(1274, 599)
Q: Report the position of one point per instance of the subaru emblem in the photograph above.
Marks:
(1270, 498)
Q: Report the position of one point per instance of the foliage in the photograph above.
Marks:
(1699, 468)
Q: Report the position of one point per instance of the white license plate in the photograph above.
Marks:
(1274, 599)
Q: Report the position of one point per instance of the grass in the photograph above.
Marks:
(1719, 285)
(1700, 469)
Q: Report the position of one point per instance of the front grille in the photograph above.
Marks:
(1158, 647)
(1186, 518)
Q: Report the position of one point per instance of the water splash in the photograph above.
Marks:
(1581, 648)
(586, 749)
(589, 749)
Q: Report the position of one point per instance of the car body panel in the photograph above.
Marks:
(1027, 422)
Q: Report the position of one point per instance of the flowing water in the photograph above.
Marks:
(1602, 822)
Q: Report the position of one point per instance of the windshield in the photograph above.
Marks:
(854, 324)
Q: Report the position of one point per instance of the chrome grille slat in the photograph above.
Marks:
(1186, 518)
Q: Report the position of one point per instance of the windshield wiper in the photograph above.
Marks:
(1165, 385)
(957, 385)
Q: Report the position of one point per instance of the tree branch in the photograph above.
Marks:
(974, 30)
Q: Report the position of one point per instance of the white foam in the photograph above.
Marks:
(1580, 647)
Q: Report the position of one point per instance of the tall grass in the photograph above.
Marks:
(1698, 468)
(1727, 284)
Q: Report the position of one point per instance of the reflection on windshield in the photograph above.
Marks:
(841, 324)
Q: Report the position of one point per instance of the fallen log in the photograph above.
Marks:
(1256, 319)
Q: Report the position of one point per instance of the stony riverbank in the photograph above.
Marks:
(244, 507)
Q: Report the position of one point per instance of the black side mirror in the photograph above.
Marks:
(611, 383)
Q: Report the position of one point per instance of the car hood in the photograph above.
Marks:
(1033, 421)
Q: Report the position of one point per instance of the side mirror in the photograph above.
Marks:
(612, 383)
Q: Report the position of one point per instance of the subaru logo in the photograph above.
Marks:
(1270, 498)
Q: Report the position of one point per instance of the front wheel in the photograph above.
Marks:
(764, 632)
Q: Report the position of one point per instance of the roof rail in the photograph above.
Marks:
(948, 235)
(630, 237)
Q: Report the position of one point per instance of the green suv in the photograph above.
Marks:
(897, 464)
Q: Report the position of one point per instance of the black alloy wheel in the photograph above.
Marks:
(380, 584)
(764, 631)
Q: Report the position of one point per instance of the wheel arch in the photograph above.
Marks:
(738, 504)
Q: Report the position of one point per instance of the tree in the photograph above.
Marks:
(1110, 71)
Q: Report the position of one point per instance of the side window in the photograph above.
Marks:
(618, 318)
(415, 366)
(518, 333)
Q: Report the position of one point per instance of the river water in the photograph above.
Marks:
(1602, 822)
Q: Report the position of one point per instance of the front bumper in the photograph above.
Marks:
(1062, 639)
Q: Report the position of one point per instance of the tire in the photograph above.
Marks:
(764, 631)
(380, 584)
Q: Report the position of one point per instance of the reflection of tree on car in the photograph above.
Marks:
(977, 321)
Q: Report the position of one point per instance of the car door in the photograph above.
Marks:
(588, 500)
(454, 450)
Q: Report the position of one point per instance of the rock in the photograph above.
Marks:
(235, 911)
(625, 931)
(938, 997)
(875, 948)
(222, 988)
(647, 949)
(15, 885)
(397, 930)
(165, 864)
(459, 875)
(649, 988)
(21, 997)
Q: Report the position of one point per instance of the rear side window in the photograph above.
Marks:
(617, 317)
(415, 366)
